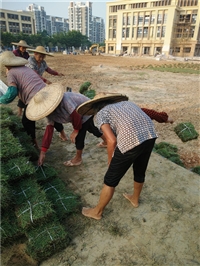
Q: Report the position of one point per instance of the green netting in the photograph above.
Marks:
(44, 173)
(32, 206)
(17, 168)
(64, 202)
(46, 240)
(84, 87)
(168, 151)
(186, 131)
(10, 229)
(10, 146)
(5, 192)
(196, 170)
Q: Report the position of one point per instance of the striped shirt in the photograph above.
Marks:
(69, 103)
(27, 81)
(128, 122)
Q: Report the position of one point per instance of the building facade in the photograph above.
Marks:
(98, 31)
(17, 21)
(80, 18)
(55, 25)
(170, 27)
(40, 17)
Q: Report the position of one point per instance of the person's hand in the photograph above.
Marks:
(170, 120)
(73, 136)
(41, 158)
(48, 82)
(60, 74)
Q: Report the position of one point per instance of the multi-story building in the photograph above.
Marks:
(17, 21)
(55, 25)
(98, 31)
(153, 26)
(80, 18)
(40, 17)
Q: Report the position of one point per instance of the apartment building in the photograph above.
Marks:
(56, 24)
(17, 21)
(98, 25)
(80, 18)
(170, 27)
(40, 17)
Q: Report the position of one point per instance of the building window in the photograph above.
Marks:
(146, 20)
(145, 32)
(177, 49)
(194, 18)
(152, 19)
(132, 32)
(163, 31)
(139, 32)
(110, 48)
(26, 18)
(140, 20)
(12, 16)
(159, 19)
(158, 32)
(127, 32)
(165, 18)
(123, 33)
(187, 49)
(135, 19)
(2, 15)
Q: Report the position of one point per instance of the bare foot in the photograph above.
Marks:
(62, 136)
(89, 212)
(129, 197)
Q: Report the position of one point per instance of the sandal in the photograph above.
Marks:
(69, 163)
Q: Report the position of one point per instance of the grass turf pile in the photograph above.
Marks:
(5, 192)
(168, 151)
(10, 230)
(64, 202)
(10, 146)
(26, 210)
(196, 170)
(84, 89)
(186, 131)
(44, 173)
(32, 205)
(18, 168)
(46, 239)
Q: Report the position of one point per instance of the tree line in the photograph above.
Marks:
(62, 40)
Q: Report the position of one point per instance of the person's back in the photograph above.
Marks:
(28, 82)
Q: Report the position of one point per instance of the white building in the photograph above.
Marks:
(98, 30)
(55, 25)
(40, 17)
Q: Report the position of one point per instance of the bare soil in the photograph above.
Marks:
(164, 230)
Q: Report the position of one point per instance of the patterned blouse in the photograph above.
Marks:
(128, 122)
(32, 63)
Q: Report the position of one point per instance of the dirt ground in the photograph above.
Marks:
(165, 229)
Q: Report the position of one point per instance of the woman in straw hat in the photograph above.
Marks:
(130, 136)
(24, 83)
(21, 49)
(39, 65)
(21, 52)
(42, 105)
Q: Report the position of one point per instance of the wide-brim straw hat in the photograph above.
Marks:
(40, 50)
(22, 43)
(7, 58)
(86, 108)
(45, 101)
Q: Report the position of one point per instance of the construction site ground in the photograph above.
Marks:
(165, 229)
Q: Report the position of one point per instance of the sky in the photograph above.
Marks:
(55, 8)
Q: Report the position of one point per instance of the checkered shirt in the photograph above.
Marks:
(128, 122)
